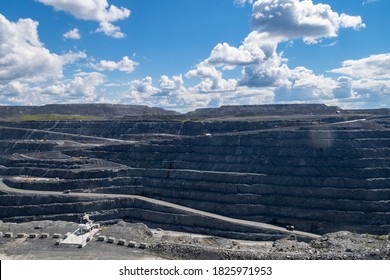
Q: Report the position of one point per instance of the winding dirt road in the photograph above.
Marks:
(262, 226)
(30, 130)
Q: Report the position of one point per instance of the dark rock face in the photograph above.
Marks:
(96, 110)
(273, 110)
(320, 172)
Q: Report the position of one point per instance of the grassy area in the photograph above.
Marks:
(54, 118)
(379, 237)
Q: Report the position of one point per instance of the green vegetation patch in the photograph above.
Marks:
(379, 237)
(54, 117)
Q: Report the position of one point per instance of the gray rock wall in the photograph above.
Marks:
(320, 178)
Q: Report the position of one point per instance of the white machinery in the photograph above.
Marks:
(83, 234)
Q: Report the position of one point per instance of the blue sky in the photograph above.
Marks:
(186, 54)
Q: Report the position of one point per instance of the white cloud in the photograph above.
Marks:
(72, 57)
(125, 65)
(72, 34)
(94, 10)
(31, 74)
(368, 93)
(16, 93)
(292, 19)
(343, 88)
(266, 76)
(144, 86)
(243, 2)
(273, 21)
(210, 86)
(305, 86)
(373, 90)
(211, 78)
(276, 21)
(174, 95)
(375, 67)
(303, 77)
(176, 83)
(253, 50)
(23, 56)
(204, 70)
(229, 57)
(368, 80)
(13, 88)
(270, 69)
(110, 30)
(140, 92)
(347, 21)
(83, 86)
(171, 93)
(245, 96)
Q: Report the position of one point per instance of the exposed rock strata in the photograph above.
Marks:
(321, 173)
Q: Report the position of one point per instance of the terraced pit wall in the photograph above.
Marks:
(319, 174)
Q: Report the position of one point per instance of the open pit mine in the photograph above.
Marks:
(211, 184)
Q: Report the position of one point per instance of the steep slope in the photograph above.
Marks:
(96, 110)
(320, 173)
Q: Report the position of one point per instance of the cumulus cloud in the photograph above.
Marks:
(72, 34)
(173, 94)
(343, 88)
(305, 86)
(366, 93)
(168, 84)
(125, 65)
(13, 88)
(211, 78)
(167, 94)
(72, 57)
(210, 86)
(144, 86)
(204, 70)
(31, 74)
(266, 76)
(140, 92)
(16, 93)
(373, 90)
(253, 50)
(367, 81)
(110, 30)
(93, 10)
(23, 56)
(273, 22)
(229, 57)
(375, 67)
(292, 19)
(276, 21)
(270, 69)
(83, 86)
